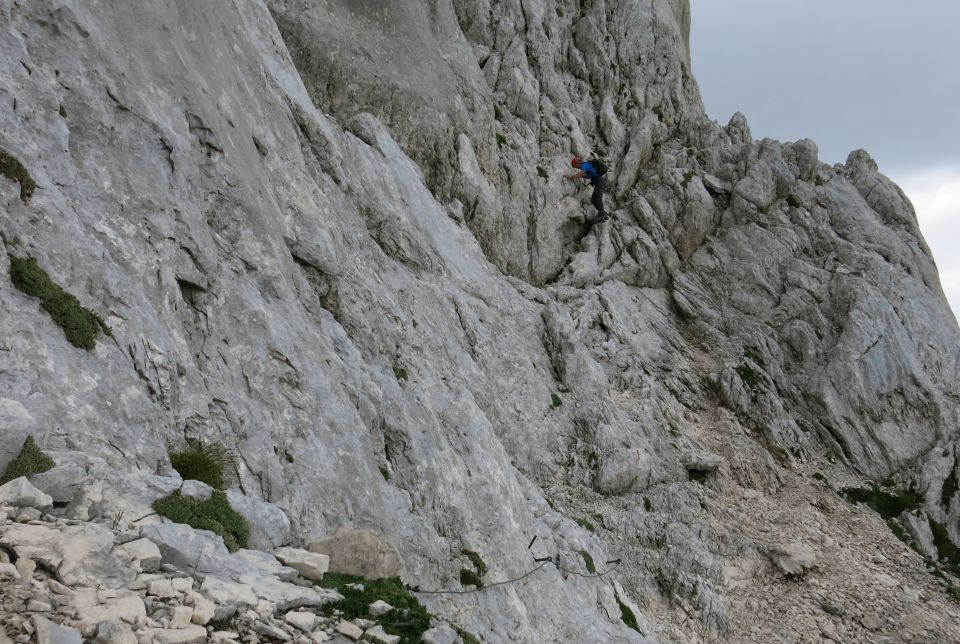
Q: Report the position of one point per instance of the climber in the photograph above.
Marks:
(594, 171)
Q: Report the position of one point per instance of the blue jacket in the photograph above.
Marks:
(592, 173)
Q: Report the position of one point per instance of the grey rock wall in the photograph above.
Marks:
(320, 234)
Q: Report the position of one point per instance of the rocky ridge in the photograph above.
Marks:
(335, 239)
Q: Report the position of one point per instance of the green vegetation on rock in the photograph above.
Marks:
(588, 561)
(586, 525)
(470, 578)
(31, 460)
(409, 618)
(949, 488)
(627, 616)
(80, 325)
(555, 400)
(12, 169)
(199, 460)
(214, 514)
(476, 560)
(888, 505)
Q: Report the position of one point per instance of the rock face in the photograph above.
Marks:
(335, 238)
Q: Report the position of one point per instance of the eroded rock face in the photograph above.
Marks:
(336, 238)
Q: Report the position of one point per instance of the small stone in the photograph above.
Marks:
(224, 636)
(363, 623)
(49, 633)
(37, 606)
(9, 570)
(442, 634)
(143, 551)
(28, 514)
(379, 608)
(162, 588)
(57, 588)
(182, 584)
(303, 620)
(269, 630)
(378, 636)
(829, 631)
(792, 559)
(192, 634)
(203, 609)
(181, 617)
(309, 564)
(870, 621)
(349, 629)
(26, 567)
(114, 632)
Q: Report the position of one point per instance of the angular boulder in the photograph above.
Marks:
(360, 552)
(21, 493)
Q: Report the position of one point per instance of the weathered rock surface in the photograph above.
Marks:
(335, 238)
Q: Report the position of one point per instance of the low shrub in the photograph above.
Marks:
(409, 618)
(31, 460)
(214, 514)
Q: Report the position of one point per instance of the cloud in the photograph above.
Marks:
(935, 193)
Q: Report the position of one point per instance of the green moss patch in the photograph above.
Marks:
(198, 460)
(588, 562)
(647, 504)
(627, 616)
(213, 514)
(542, 172)
(80, 325)
(31, 460)
(470, 578)
(555, 401)
(586, 525)
(400, 373)
(12, 169)
(476, 560)
(752, 380)
(409, 619)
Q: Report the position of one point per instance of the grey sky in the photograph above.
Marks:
(883, 75)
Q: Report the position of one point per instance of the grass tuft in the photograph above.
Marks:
(400, 373)
(31, 460)
(647, 504)
(80, 325)
(213, 514)
(586, 525)
(12, 169)
(198, 460)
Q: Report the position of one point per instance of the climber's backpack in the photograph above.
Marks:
(599, 165)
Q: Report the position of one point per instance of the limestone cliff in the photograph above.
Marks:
(334, 236)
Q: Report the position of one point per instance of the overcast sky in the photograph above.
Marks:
(883, 75)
